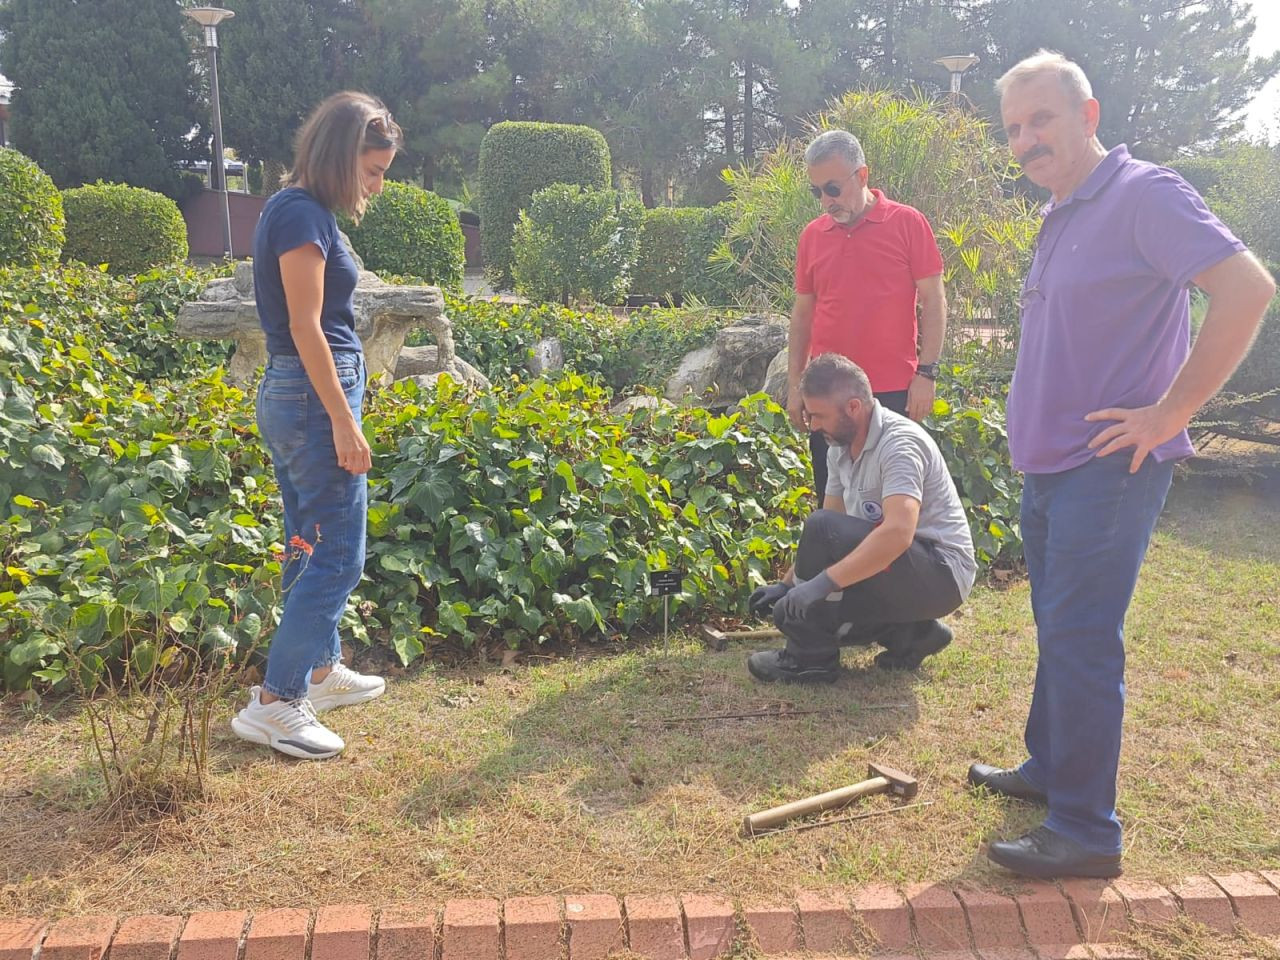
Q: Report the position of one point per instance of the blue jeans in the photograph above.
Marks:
(324, 505)
(1085, 532)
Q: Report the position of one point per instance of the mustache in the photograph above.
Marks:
(1034, 153)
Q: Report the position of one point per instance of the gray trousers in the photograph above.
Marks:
(917, 587)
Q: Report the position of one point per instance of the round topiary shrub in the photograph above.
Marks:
(410, 232)
(31, 218)
(519, 158)
(130, 229)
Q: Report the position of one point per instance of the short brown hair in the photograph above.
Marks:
(327, 152)
(831, 375)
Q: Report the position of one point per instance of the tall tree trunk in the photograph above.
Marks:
(646, 186)
(748, 111)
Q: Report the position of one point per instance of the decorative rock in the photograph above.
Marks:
(423, 365)
(732, 366)
(775, 378)
(385, 313)
(548, 357)
(643, 401)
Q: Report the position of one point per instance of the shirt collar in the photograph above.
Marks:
(875, 427)
(1101, 175)
(876, 214)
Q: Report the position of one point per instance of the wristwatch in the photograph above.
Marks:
(928, 370)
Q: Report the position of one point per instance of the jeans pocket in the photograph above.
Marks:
(282, 420)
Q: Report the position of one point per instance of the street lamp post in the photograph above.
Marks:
(209, 18)
(957, 66)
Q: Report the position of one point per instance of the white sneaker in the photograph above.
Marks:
(289, 726)
(344, 687)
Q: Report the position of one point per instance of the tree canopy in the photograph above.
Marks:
(680, 88)
(104, 90)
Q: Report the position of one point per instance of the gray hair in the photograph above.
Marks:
(835, 143)
(830, 375)
(1043, 61)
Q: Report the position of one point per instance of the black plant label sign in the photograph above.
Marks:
(665, 583)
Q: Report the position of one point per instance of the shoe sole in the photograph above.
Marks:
(346, 700)
(252, 734)
(1102, 871)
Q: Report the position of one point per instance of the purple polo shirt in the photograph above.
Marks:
(1105, 308)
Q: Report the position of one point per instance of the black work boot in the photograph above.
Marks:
(770, 666)
(907, 653)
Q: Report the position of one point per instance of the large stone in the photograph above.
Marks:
(733, 365)
(385, 313)
(547, 357)
(641, 401)
(775, 378)
(423, 364)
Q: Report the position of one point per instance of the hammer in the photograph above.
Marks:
(882, 780)
(719, 639)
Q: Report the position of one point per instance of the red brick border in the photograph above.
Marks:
(1068, 920)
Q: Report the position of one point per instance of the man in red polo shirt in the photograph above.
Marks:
(861, 268)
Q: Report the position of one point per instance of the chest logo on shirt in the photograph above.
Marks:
(872, 510)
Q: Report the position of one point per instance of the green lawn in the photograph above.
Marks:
(560, 775)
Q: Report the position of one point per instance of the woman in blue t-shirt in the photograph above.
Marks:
(309, 413)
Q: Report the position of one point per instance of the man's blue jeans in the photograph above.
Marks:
(324, 505)
(1085, 532)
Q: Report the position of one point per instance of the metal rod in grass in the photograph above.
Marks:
(849, 819)
(778, 714)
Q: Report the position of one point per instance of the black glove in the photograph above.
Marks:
(798, 602)
(763, 598)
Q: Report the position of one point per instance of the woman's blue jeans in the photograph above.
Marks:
(324, 504)
(1084, 532)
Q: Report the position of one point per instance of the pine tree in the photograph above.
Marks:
(104, 89)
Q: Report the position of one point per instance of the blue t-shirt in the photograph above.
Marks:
(291, 219)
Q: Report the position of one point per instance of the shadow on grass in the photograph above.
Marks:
(1232, 520)
(628, 729)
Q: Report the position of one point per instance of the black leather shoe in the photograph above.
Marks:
(1045, 854)
(771, 666)
(1007, 783)
(926, 639)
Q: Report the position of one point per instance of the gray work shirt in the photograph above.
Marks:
(900, 457)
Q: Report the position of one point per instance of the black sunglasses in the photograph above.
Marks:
(830, 188)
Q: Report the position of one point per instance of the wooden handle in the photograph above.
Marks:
(761, 634)
(757, 822)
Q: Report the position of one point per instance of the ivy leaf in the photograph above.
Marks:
(46, 454)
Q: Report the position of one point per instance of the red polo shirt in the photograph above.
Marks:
(864, 278)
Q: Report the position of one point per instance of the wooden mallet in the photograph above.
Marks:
(719, 639)
(881, 780)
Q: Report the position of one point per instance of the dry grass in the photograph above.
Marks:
(1184, 939)
(560, 776)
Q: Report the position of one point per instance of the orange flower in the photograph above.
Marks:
(299, 544)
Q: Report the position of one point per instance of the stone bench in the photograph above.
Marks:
(385, 314)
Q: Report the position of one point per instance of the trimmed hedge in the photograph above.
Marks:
(32, 225)
(411, 232)
(575, 244)
(674, 252)
(130, 229)
(517, 159)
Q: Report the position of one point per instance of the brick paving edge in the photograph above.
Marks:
(1069, 918)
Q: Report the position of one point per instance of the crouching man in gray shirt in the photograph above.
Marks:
(886, 556)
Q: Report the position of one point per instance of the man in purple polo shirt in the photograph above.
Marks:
(1104, 387)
